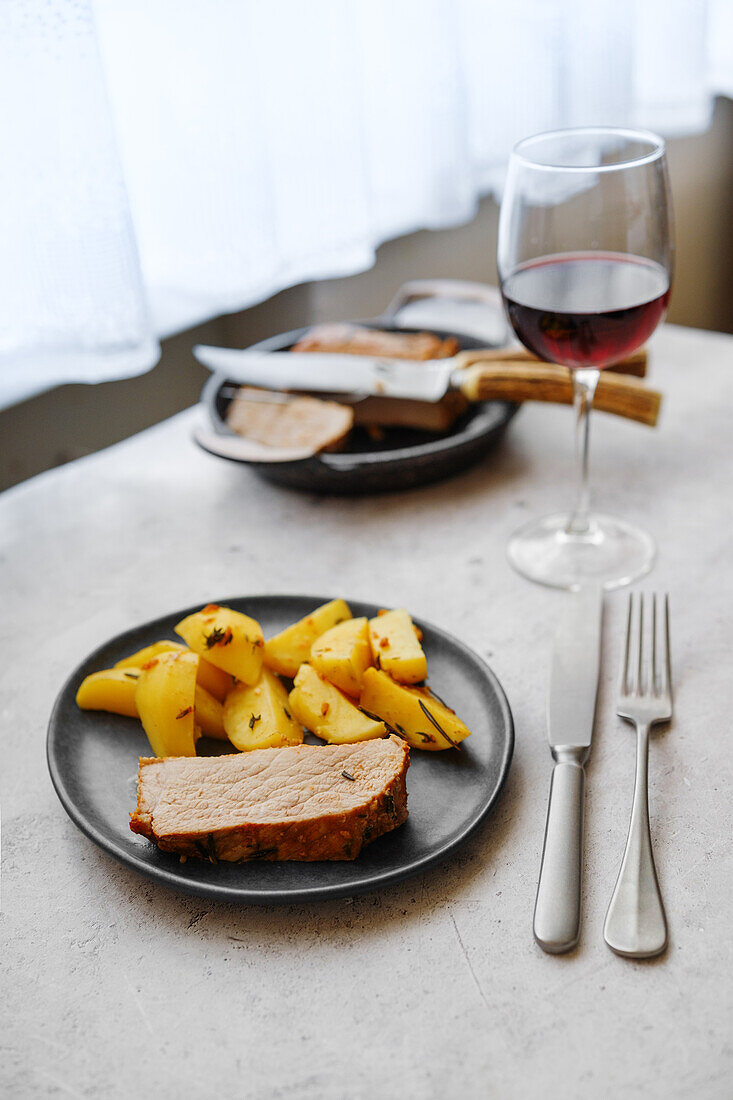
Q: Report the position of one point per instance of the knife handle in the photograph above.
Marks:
(512, 380)
(557, 909)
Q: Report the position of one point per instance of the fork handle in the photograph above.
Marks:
(557, 909)
(635, 923)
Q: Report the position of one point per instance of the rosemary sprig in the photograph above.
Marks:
(376, 718)
(437, 725)
(436, 696)
(218, 636)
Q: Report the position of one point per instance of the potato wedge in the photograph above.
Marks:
(214, 680)
(208, 713)
(286, 651)
(259, 717)
(112, 689)
(423, 720)
(165, 695)
(142, 656)
(227, 639)
(396, 647)
(327, 712)
(342, 653)
(211, 678)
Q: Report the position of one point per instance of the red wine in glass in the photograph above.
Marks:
(586, 309)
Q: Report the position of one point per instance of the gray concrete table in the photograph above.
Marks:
(115, 987)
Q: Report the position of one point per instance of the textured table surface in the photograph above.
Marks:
(113, 987)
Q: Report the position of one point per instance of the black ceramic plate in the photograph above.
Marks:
(403, 459)
(92, 757)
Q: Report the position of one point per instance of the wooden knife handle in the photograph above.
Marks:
(635, 364)
(537, 381)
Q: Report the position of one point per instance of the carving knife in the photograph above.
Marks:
(481, 375)
(570, 715)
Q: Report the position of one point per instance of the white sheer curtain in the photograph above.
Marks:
(165, 161)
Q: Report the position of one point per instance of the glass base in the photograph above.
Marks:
(611, 553)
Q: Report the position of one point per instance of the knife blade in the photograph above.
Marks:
(331, 372)
(570, 716)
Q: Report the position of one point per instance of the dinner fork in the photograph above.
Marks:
(636, 925)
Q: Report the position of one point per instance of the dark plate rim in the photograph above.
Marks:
(278, 897)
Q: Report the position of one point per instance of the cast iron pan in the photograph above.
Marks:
(405, 458)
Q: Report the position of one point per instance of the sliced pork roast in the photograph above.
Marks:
(305, 802)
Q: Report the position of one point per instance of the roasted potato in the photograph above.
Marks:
(342, 654)
(258, 716)
(423, 720)
(211, 678)
(396, 647)
(286, 651)
(165, 695)
(227, 639)
(327, 712)
(112, 689)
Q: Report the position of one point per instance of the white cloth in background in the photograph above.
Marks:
(72, 302)
(192, 158)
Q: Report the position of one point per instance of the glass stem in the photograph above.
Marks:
(585, 380)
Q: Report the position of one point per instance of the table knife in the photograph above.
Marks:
(570, 714)
(480, 375)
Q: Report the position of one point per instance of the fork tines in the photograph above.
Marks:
(645, 669)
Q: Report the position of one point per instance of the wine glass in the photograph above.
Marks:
(585, 263)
